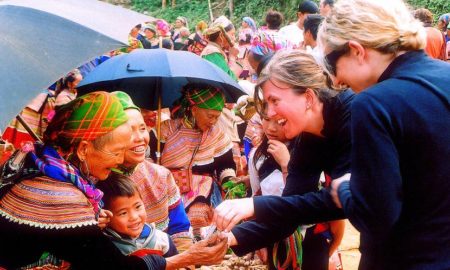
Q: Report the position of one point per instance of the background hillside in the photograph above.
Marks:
(196, 10)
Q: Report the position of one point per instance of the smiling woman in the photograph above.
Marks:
(294, 91)
(156, 184)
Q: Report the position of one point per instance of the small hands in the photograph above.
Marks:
(279, 152)
(104, 218)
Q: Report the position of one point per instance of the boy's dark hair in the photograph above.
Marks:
(116, 185)
(312, 23)
(274, 19)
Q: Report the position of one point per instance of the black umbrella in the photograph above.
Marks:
(42, 40)
(147, 75)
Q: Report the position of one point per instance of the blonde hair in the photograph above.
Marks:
(384, 25)
(297, 69)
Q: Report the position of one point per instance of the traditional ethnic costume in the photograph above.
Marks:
(199, 160)
(159, 193)
(151, 239)
(213, 52)
(52, 206)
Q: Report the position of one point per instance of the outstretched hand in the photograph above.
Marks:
(231, 212)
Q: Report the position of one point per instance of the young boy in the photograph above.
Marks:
(127, 228)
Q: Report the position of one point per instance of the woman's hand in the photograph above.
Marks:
(104, 218)
(335, 187)
(231, 212)
(205, 252)
(280, 153)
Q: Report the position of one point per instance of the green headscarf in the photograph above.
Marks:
(202, 96)
(125, 100)
(205, 98)
(85, 118)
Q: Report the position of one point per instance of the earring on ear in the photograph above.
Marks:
(84, 164)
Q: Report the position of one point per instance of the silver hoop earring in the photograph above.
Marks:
(84, 164)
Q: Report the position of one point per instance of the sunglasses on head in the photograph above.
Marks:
(332, 58)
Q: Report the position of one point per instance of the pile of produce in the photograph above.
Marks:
(232, 262)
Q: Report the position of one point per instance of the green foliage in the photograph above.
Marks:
(193, 10)
(438, 7)
(196, 10)
(233, 190)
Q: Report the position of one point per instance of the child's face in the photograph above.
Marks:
(129, 215)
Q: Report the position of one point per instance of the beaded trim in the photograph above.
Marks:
(46, 226)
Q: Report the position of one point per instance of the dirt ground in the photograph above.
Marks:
(349, 248)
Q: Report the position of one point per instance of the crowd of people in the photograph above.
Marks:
(346, 116)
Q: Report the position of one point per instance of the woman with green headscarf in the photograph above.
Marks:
(197, 152)
(221, 49)
(51, 204)
(159, 192)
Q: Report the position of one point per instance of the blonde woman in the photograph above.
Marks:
(398, 193)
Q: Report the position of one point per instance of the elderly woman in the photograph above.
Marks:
(198, 153)
(53, 205)
(156, 184)
(220, 49)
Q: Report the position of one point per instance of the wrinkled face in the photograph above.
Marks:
(101, 161)
(252, 61)
(285, 107)
(301, 19)
(205, 118)
(324, 8)
(307, 37)
(128, 215)
(149, 33)
(178, 24)
(75, 83)
(134, 32)
(140, 138)
(273, 130)
(441, 25)
(232, 34)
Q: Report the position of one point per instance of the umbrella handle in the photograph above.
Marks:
(28, 129)
(158, 130)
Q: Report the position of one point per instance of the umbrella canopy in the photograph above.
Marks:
(146, 74)
(41, 41)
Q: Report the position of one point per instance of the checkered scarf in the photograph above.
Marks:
(86, 118)
(211, 99)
